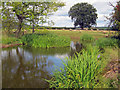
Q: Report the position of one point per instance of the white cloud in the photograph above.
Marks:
(63, 21)
(61, 18)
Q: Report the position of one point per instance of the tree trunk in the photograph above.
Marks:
(19, 28)
(33, 27)
(82, 26)
(33, 19)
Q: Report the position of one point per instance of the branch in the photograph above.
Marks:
(111, 4)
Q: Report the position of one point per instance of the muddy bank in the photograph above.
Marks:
(10, 45)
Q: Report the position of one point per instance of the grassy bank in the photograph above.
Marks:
(45, 40)
(6, 40)
(74, 35)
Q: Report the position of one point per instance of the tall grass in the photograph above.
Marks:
(9, 40)
(80, 72)
(104, 42)
(87, 38)
(45, 40)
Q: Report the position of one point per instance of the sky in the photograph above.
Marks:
(61, 18)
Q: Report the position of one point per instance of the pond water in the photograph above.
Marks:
(25, 67)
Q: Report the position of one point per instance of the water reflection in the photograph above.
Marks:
(28, 67)
(25, 67)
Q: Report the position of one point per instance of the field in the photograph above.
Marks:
(75, 34)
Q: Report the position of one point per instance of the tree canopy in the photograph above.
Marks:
(41, 10)
(83, 15)
(28, 12)
(115, 18)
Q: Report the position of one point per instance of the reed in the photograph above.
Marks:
(81, 71)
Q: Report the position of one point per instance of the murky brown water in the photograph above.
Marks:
(24, 67)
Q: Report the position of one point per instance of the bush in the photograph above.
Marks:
(81, 71)
(103, 42)
(87, 38)
(45, 40)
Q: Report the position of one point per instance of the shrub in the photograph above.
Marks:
(80, 72)
(45, 40)
(103, 42)
(87, 38)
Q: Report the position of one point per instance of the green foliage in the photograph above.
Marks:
(45, 40)
(87, 38)
(10, 40)
(103, 42)
(115, 17)
(40, 9)
(8, 22)
(80, 72)
(83, 15)
(20, 13)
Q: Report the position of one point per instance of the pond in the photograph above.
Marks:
(26, 67)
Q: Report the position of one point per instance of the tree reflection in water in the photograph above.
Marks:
(17, 74)
(23, 68)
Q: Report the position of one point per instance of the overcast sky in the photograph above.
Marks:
(61, 18)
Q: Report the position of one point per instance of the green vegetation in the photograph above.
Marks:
(9, 40)
(87, 38)
(87, 68)
(81, 72)
(115, 16)
(45, 40)
(83, 15)
(78, 67)
(24, 12)
(103, 42)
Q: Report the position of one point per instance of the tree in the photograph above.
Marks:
(38, 11)
(8, 20)
(114, 18)
(19, 9)
(83, 14)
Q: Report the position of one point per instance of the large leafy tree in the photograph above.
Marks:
(30, 12)
(83, 15)
(19, 9)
